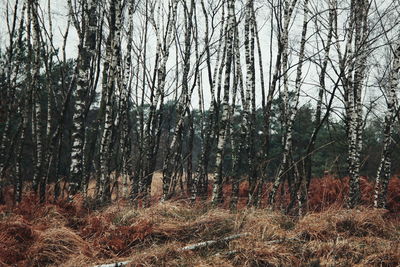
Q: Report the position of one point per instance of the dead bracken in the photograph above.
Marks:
(71, 234)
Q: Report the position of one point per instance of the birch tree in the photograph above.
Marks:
(182, 107)
(126, 91)
(153, 123)
(290, 110)
(230, 30)
(200, 181)
(37, 125)
(385, 164)
(112, 60)
(305, 178)
(86, 29)
(355, 60)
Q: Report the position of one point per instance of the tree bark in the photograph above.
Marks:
(218, 179)
(87, 44)
(384, 169)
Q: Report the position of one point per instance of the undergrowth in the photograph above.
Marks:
(72, 234)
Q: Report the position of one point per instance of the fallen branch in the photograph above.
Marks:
(212, 242)
(116, 264)
(191, 247)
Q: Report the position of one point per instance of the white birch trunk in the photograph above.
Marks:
(110, 87)
(85, 50)
(218, 179)
(290, 110)
(172, 157)
(384, 169)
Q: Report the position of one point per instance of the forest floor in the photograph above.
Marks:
(72, 234)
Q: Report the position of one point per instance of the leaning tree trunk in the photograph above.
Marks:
(384, 169)
(305, 179)
(172, 157)
(25, 103)
(289, 114)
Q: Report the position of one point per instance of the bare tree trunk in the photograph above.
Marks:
(241, 150)
(112, 58)
(25, 102)
(153, 125)
(138, 175)
(171, 159)
(384, 169)
(125, 141)
(289, 112)
(218, 179)
(37, 125)
(304, 182)
(353, 89)
(87, 40)
(251, 100)
(200, 181)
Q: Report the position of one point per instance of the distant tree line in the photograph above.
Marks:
(276, 92)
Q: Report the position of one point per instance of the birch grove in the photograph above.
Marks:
(238, 102)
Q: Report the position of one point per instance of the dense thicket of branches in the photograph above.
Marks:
(202, 92)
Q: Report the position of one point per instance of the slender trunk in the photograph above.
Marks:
(289, 111)
(224, 124)
(201, 179)
(37, 125)
(125, 141)
(87, 40)
(189, 166)
(354, 84)
(251, 101)
(112, 82)
(303, 184)
(172, 158)
(154, 122)
(384, 169)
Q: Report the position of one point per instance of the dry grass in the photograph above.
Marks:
(55, 246)
(69, 234)
(153, 236)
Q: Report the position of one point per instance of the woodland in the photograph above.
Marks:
(199, 133)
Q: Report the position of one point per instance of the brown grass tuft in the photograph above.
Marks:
(16, 235)
(333, 224)
(55, 246)
(262, 254)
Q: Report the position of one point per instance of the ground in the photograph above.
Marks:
(76, 234)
